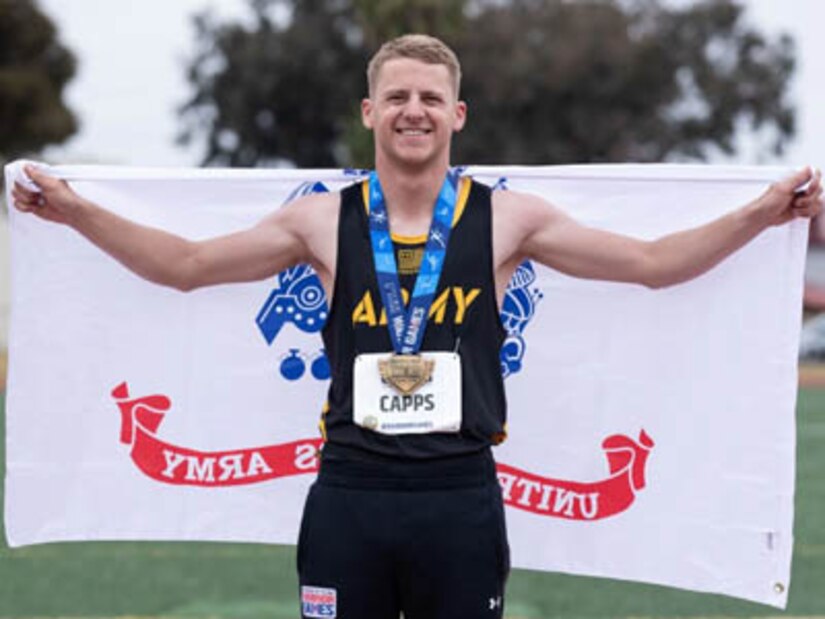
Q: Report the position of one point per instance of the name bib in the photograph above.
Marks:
(397, 395)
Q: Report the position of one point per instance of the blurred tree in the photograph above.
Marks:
(34, 68)
(288, 86)
(273, 90)
(604, 81)
(547, 81)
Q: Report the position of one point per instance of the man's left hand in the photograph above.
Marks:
(798, 195)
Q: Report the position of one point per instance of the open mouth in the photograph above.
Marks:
(413, 132)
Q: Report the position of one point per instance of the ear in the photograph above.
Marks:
(366, 112)
(460, 116)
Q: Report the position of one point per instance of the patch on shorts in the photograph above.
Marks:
(318, 602)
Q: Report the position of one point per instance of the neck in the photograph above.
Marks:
(410, 192)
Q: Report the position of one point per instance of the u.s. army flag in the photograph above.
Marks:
(651, 431)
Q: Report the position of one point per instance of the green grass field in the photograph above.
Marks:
(238, 581)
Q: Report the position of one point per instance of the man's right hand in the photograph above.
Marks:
(54, 202)
(302, 231)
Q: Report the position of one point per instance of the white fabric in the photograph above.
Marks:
(688, 391)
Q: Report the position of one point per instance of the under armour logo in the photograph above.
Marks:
(495, 603)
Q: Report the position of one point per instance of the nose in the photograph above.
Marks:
(414, 108)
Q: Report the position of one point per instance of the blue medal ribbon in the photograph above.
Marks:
(407, 325)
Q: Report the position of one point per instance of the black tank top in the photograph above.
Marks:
(463, 317)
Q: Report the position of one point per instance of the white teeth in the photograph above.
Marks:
(413, 132)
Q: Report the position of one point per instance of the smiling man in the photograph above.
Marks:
(406, 514)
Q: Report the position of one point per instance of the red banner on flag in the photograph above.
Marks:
(172, 464)
(572, 500)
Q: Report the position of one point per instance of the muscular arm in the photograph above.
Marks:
(528, 227)
(293, 234)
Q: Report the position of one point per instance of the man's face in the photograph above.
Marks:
(413, 112)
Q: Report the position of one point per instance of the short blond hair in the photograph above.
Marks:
(418, 47)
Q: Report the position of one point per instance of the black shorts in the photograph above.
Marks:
(383, 537)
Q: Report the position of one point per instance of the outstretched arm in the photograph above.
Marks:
(538, 231)
(158, 256)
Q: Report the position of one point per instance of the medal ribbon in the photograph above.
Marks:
(407, 325)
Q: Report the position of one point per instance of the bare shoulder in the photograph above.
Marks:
(308, 211)
(517, 214)
(520, 205)
(512, 212)
(311, 219)
(310, 225)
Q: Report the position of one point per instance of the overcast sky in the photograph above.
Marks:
(131, 76)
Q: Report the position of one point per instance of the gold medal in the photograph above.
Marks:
(406, 373)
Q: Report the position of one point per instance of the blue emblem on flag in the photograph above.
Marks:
(520, 300)
(518, 308)
(298, 299)
(305, 189)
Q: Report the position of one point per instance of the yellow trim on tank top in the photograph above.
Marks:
(460, 205)
(322, 423)
(499, 437)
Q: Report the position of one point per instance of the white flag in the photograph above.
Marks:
(651, 437)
